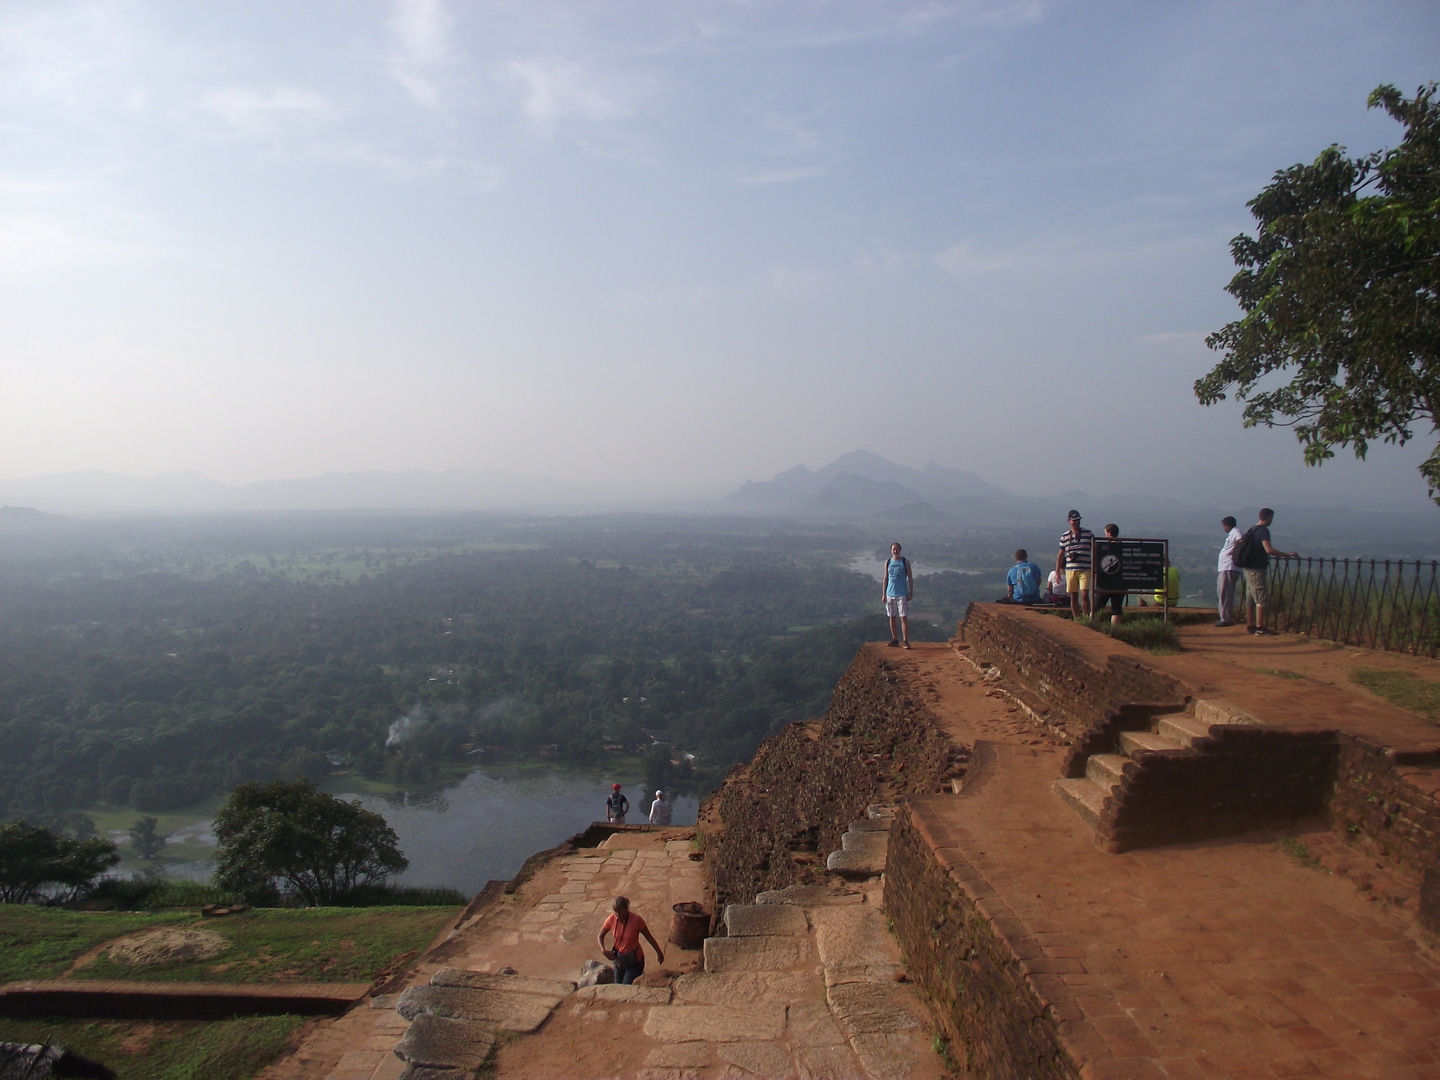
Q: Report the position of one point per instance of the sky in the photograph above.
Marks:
(659, 248)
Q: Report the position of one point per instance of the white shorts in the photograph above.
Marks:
(897, 605)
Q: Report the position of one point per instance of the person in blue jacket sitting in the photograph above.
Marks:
(1022, 584)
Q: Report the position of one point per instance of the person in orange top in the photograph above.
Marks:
(626, 929)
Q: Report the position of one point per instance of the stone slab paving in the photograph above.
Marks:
(755, 953)
(754, 920)
(1211, 959)
(715, 1023)
(496, 1008)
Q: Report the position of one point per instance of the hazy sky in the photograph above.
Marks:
(657, 248)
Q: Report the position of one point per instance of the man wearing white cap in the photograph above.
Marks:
(659, 810)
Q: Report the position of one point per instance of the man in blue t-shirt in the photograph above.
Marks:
(899, 591)
(1022, 584)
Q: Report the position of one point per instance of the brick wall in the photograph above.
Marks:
(1243, 777)
(779, 815)
(1373, 802)
(1085, 686)
(965, 957)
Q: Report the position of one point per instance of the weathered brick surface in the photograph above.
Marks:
(1372, 798)
(1244, 777)
(1087, 686)
(953, 932)
(785, 810)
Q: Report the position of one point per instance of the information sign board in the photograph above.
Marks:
(1130, 565)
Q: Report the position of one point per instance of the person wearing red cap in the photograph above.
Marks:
(616, 806)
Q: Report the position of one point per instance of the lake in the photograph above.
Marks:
(482, 828)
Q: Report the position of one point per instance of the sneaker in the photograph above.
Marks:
(1218, 623)
(892, 644)
(904, 644)
(1249, 629)
(1265, 631)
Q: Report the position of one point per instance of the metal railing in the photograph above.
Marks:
(1376, 603)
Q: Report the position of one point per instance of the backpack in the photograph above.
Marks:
(1250, 554)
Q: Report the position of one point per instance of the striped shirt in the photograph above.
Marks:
(1077, 548)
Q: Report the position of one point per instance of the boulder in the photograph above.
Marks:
(593, 973)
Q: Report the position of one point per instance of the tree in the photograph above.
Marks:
(287, 835)
(145, 838)
(1341, 287)
(33, 858)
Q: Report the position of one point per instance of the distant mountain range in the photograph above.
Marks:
(858, 487)
(863, 486)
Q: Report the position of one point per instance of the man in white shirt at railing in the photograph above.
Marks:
(1228, 575)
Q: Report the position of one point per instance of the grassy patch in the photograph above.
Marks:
(40, 942)
(309, 945)
(1296, 849)
(1152, 635)
(1404, 689)
(190, 1050)
(1284, 673)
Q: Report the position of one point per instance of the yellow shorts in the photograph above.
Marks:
(1077, 581)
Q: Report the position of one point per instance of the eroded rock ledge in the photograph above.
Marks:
(772, 821)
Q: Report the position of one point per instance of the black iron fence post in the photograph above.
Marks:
(1391, 604)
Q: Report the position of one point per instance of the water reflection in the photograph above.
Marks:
(486, 826)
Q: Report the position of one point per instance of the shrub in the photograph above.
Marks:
(36, 864)
(287, 837)
(1152, 634)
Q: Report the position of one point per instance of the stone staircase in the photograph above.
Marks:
(863, 846)
(806, 982)
(1211, 771)
(455, 1021)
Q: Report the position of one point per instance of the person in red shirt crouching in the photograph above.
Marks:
(626, 929)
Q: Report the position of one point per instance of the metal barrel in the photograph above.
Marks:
(689, 925)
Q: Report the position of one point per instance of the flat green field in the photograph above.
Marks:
(175, 1050)
(40, 943)
(267, 945)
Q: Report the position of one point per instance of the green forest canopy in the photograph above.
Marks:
(136, 681)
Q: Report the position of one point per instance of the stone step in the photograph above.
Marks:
(876, 810)
(495, 1008)
(1086, 796)
(861, 855)
(1106, 770)
(1216, 711)
(810, 896)
(434, 1042)
(754, 920)
(1133, 741)
(761, 953)
(876, 824)
(864, 841)
(1185, 730)
(511, 984)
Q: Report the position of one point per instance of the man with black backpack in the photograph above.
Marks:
(1252, 555)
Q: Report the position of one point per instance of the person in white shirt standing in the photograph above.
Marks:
(659, 810)
(1229, 573)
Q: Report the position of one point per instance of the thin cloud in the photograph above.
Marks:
(552, 91)
(420, 29)
(263, 113)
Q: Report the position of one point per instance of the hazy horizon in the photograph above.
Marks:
(652, 252)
